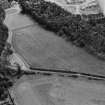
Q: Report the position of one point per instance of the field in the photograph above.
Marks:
(41, 48)
(58, 91)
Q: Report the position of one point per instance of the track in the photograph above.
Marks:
(59, 72)
(68, 73)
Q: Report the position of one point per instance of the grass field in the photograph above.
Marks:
(58, 91)
(41, 48)
(15, 21)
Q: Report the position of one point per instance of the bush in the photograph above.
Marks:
(3, 30)
(2, 15)
(5, 79)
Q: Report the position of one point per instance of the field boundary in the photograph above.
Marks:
(22, 27)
